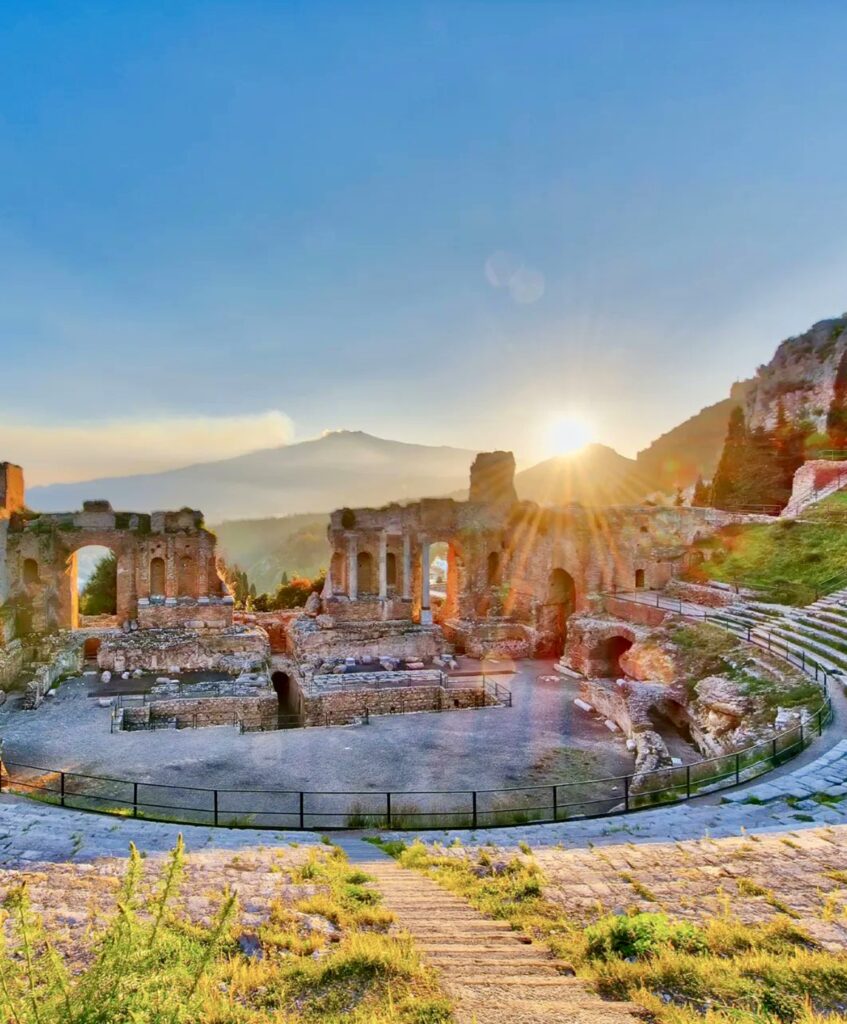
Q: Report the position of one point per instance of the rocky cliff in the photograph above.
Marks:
(800, 379)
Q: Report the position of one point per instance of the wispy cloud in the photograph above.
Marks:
(82, 450)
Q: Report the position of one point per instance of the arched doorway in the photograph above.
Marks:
(639, 579)
(30, 572)
(493, 569)
(93, 571)
(606, 657)
(559, 606)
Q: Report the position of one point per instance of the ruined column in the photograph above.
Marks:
(171, 586)
(426, 611)
(407, 567)
(383, 565)
(352, 567)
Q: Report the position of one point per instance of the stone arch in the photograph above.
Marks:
(158, 576)
(639, 579)
(605, 656)
(365, 573)
(30, 572)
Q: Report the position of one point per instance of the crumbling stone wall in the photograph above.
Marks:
(344, 706)
(238, 649)
(166, 568)
(507, 559)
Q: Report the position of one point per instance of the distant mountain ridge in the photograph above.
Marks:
(340, 468)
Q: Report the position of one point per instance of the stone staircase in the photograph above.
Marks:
(494, 975)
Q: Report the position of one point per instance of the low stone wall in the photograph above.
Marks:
(235, 650)
(360, 680)
(349, 705)
(203, 613)
(320, 638)
(632, 611)
(185, 712)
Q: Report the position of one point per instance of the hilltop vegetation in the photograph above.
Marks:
(791, 561)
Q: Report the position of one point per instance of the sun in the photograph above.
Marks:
(567, 432)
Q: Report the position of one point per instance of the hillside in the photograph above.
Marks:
(265, 548)
(692, 448)
(595, 476)
(340, 468)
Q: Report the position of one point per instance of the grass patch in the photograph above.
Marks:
(327, 960)
(789, 561)
(719, 970)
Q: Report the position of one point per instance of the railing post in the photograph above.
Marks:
(773, 746)
(388, 810)
(1, 776)
(216, 806)
(626, 792)
(820, 721)
(62, 788)
(737, 768)
(302, 809)
(135, 799)
(688, 782)
(555, 803)
(474, 818)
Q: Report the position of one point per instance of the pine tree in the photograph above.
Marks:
(728, 476)
(702, 495)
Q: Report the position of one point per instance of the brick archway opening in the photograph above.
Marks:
(606, 656)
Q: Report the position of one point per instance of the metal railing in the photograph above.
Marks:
(473, 808)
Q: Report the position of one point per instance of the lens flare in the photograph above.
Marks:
(566, 433)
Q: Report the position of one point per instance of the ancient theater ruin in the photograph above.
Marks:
(516, 571)
(172, 607)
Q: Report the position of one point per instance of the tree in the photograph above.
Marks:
(727, 480)
(702, 494)
(836, 418)
(100, 594)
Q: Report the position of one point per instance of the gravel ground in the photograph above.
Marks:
(543, 735)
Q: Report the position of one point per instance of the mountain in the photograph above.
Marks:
(595, 475)
(340, 468)
(800, 380)
(694, 447)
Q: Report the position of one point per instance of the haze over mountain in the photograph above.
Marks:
(340, 468)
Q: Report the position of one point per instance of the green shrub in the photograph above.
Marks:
(641, 936)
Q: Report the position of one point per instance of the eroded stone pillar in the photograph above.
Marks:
(426, 611)
(383, 565)
(352, 567)
(407, 567)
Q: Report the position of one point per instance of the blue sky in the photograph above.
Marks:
(224, 224)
